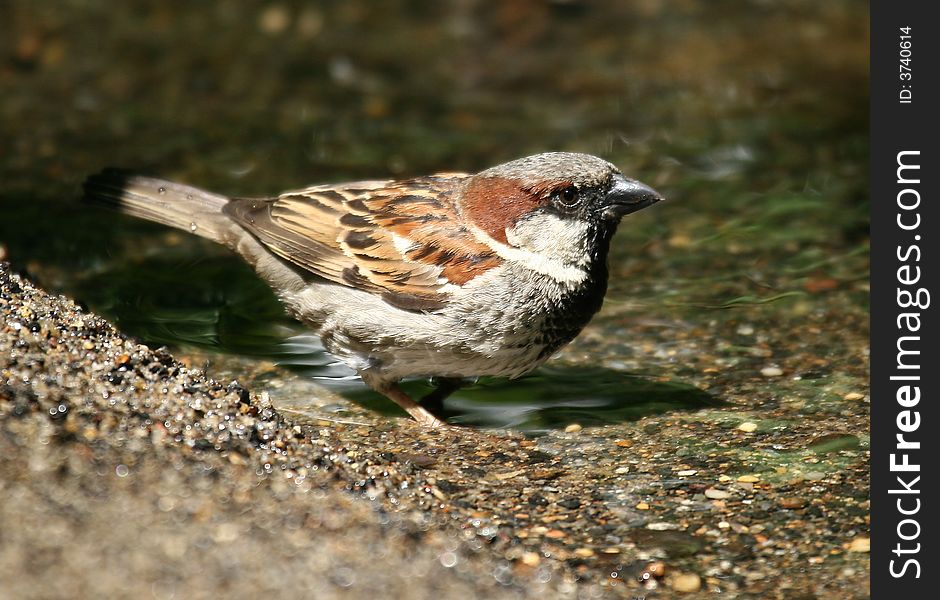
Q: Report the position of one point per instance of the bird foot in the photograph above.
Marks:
(425, 418)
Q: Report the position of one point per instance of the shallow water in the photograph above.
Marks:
(750, 118)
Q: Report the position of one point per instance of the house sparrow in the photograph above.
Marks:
(448, 276)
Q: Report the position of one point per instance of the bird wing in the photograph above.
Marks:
(404, 241)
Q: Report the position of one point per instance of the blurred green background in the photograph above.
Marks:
(750, 116)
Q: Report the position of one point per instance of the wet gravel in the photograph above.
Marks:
(124, 469)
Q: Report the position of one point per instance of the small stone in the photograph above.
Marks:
(584, 552)
(642, 506)
(745, 330)
(747, 427)
(656, 569)
(724, 478)
(624, 443)
(860, 544)
(509, 475)
(555, 534)
(716, 494)
(852, 396)
(771, 371)
(663, 526)
(791, 502)
(686, 583)
(545, 473)
(748, 479)
(687, 473)
(531, 559)
(88, 345)
(573, 428)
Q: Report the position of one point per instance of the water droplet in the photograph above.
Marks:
(161, 190)
(193, 227)
(121, 470)
(448, 559)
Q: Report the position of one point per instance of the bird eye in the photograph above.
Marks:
(569, 196)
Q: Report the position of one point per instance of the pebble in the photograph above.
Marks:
(748, 427)
(860, 544)
(642, 506)
(716, 494)
(852, 396)
(686, 583)
(573, 428)
(748, 479)
(687, 473)
(656, 569)
(545, 473)
(771, 371)
(531, 559)
(791, 502)
(509, 475)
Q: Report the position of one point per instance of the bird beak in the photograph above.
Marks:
(628, 196)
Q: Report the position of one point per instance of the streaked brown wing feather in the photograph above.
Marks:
(401, 240)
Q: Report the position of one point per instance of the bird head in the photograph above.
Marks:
(561, 205)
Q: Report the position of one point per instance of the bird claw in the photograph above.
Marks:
(424, 418)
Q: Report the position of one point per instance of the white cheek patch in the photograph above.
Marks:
(547, 245)
(551, 235)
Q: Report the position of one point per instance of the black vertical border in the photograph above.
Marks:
(897, 127)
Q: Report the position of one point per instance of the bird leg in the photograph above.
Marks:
(393, 392)
(418, 412)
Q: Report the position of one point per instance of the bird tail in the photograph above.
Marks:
(181, 206)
